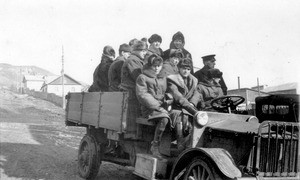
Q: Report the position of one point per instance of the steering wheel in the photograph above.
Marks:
(226, 103)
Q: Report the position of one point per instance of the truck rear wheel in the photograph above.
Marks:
(201, 168)
(88, 158)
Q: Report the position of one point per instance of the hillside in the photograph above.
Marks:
(12, 76)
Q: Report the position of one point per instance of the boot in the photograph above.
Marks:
(180, 138)
(155, 143)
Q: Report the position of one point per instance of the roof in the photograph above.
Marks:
(282, 87)
(33, 78)
(67, 81)
(243, 89)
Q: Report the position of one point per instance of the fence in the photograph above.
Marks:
(57, 100)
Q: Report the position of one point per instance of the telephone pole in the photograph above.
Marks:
(62, 79)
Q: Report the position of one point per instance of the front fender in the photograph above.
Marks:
(220, 157)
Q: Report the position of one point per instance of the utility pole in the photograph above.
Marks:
(62, 79)
(239, 82)
(258, 87)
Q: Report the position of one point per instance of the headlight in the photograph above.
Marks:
(201, 118)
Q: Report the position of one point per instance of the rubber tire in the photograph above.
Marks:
(206, 165)
(89, 152)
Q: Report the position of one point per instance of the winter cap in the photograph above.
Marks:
(186, 62)
(214, 73)
(178, 36)
(176, 53)
(155, 38)
(209, 58)
(124, 47)
(132, 41)
(154, 60)
(139, 46)
(109, 51)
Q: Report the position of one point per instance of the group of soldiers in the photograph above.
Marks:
(156, 80)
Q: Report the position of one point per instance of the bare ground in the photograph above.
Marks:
(36, 144)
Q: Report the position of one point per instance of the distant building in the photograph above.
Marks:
(287, 88)
(55, 86)
(33, 82)
(248, 94)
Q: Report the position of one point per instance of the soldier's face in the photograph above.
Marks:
(184, 71)
(126, 54)
(175, 60)
(210, 64)
(143, 53)
(156, 44)
(156, 68)
(178, 43)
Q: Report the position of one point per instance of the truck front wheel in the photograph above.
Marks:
(88, 158)
(201, 168)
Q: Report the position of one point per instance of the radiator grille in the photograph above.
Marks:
(277, 152)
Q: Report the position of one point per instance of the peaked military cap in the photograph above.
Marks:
(209, 57)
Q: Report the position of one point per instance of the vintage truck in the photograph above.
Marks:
(221, 145)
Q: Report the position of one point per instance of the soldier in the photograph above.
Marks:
(155, 41)
(100, 76)
(114, 72)
(178, 43)
(150, 91)
(211, 89)
(131, 69)
(209, 63)
(170, 65)
(183, 88)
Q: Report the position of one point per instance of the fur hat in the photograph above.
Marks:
(124, 47)
(132, 41)
(176, 53)
(186, 62)
(154, 60)
(109, 51)
(139, 46)
(209, 58)
(155, 38)
(214, 73)
(178, 36)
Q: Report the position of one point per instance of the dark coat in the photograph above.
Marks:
(114, 74)
(201, 75)
(209, 91)
(150, 91)
(168, 69)
(131, 69)
(186, 54)
(183, 95)
(100, 76)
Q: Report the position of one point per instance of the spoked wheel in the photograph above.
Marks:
(200, 169)
(88, 158)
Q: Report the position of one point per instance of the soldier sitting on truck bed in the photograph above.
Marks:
(150, 91)
(183, 88)
(131, 69)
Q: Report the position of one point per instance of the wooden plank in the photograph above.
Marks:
(74, 107)
(111, 112)
(90, 110)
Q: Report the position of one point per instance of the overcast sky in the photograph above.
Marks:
(251, 38)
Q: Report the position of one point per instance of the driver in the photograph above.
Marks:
(210, 88)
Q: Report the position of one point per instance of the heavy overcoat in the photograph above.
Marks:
(183, 94)
(202, 76)
(114, 73)
(131, 69)
(168, 69)
(150, 91)
(100, 76)
(209, 91)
